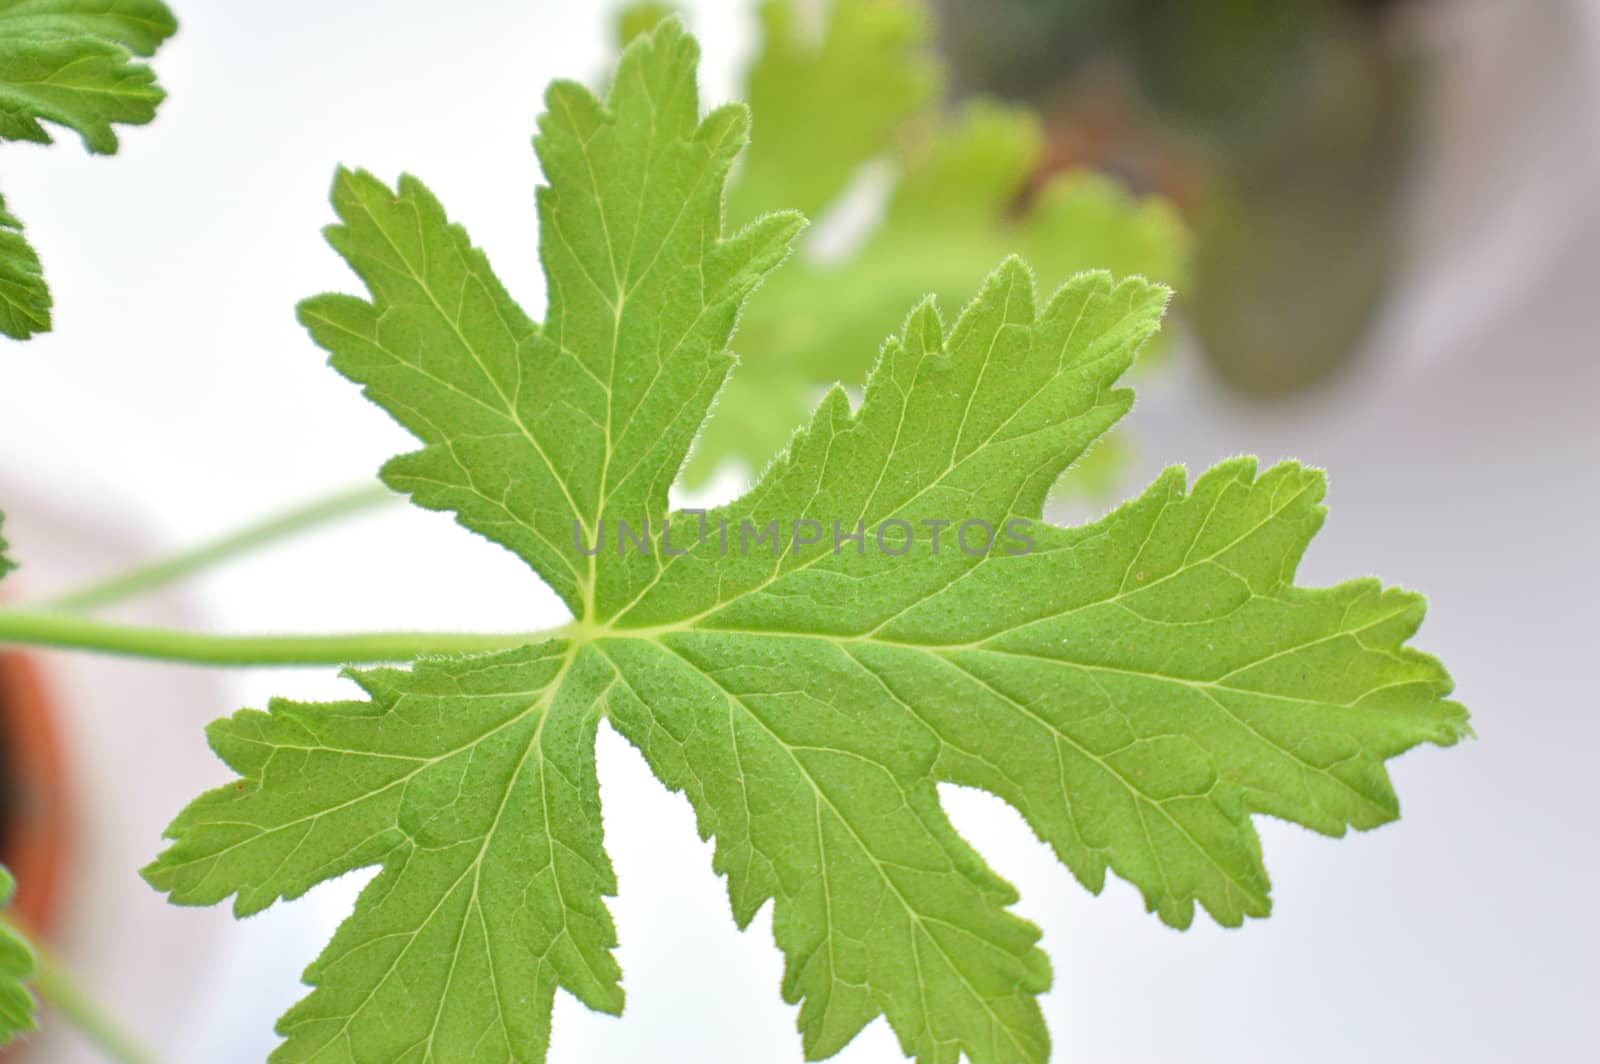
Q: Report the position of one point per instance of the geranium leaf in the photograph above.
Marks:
(885, 611)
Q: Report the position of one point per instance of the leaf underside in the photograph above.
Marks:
(74, 64)
(1137, 688)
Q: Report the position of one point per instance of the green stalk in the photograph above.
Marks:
(58, 989)
(251, 537)
(195, 648)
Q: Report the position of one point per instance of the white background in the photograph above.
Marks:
(178, 396)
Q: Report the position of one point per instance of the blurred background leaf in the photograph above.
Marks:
(909, 197)
(73, 64)
(1283, 127)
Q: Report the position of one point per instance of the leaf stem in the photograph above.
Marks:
(224, 548)
(57, 987)
(199, 648)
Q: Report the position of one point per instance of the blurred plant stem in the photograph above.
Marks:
(59, 989)
(254, 536)
(66, 632)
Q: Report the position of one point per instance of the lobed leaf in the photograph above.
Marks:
(1137, 688)
(532, 429)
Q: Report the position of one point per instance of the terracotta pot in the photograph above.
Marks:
(35, 804)
(35, 797)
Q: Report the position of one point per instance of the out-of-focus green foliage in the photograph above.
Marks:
(16, 967)
(24, 299)
(74, 64)
(864, 86)
(1286, 127)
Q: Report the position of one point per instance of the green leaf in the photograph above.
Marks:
(636, 20)
(16, 968)
(864, 88)
(828, 102)
(643, 295)
(71, 63)
(948, 219)
(1136, 688)
(24, 298)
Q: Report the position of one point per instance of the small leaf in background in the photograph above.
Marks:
(829, 101)
(16, 968)
(75, 64)
(6, 564)
(24, 298)
(1137, 689)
